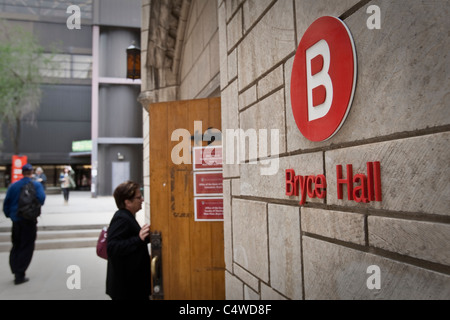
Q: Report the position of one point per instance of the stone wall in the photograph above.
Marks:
(199, 74)
(400, 116)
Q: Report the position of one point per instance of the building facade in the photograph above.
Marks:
(314, 242)
(64, 113)
(86, 98)
(116, 114)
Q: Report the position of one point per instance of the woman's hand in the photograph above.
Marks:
(145, 231)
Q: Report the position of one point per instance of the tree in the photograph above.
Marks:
(21, 59)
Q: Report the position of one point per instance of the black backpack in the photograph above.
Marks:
(29, 206)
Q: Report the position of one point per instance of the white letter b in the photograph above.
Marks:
(318, 107)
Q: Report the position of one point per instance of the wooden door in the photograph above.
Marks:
(192, 253)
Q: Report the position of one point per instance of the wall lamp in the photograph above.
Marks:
(133, 62)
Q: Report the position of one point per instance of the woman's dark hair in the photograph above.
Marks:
(125, 191)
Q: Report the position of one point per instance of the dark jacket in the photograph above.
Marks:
(11, 201)
(128, 274)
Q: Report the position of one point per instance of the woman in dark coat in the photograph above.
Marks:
(128, 274)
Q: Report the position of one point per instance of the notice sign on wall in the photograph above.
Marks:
(208, 183)
(208, 158)
(208, 209)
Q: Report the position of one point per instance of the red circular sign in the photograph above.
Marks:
(323, 78)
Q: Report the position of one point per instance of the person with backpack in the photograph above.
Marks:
(22, 205)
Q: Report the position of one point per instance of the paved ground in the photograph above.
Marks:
(53, 272)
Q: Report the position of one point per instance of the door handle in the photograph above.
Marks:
(155, 275)
(156, 266)
(153, 267)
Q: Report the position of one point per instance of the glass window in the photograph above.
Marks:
(81, 67)
(66, 66)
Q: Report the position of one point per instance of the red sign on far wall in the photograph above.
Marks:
(16, 169)
(323, 78)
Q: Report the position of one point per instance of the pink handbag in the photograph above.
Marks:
(101, 244)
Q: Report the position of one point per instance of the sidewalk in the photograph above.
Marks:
(81, 210)
(51, 271)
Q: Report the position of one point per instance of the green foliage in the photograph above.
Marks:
(21, 58)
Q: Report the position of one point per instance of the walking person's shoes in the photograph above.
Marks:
(21, 280)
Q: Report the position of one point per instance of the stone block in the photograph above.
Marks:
(145, 76)
(192, 17)
(424, 240)
(233, 287)
(345, 226)
(255, 119)
(273, 186)
(144, 45)
(227, 225)
(340, 273)
(267, 293)
(197, 42)
(248, 97)
(250, 237)
(246, 277)
(232, 6)
(209, 20)
(236, 187)
(187, 59)
(232, 65)
(252, 10)
(267, 44)
(414, 173)
(201, 72)
(307, 11)
(230, 120)
(270, 82)
(294, 138)
(234, 30)
(213, 54)
(223, 75)
(285, 250)
(223, 50)
(250, 294)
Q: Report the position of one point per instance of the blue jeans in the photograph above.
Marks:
(66, 193)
